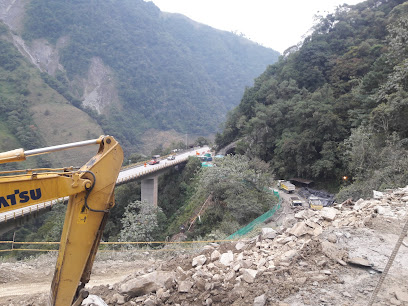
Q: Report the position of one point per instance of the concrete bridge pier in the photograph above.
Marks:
(150, 190)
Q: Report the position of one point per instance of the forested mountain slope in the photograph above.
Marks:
(138, 67)
(33, 115)
(336, 105)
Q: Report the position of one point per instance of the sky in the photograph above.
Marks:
(277, 24)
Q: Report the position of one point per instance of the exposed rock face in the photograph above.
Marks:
(12, 12)
(97, 90)
(99, 87)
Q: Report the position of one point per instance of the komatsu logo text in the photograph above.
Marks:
(20, 197)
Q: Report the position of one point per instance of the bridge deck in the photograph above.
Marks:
(127, 174)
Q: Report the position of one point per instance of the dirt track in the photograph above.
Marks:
(28, 282)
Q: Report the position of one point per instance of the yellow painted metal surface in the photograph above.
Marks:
(83, 227)
(90, 192)
(28, 189)
(12, 156)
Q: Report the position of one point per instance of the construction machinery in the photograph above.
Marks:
(295, 202)
(315, 203)
(91, 196)
(286, 186)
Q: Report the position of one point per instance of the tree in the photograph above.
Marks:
(140, 222)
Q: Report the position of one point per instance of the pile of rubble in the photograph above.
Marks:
(315, 258)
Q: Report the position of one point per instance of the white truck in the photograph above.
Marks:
(295, 202)
(286, 186)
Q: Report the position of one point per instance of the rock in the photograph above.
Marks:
(300, 280)
(260, 300)
(360, 205)
(300, 229)
(215, 255)
(249, 275)
(394, 301)
(240, 246)
(332, 251)
(146, 283)
(261, 263)
(359, 261)
(379, 210)
(185, 286)
(96, 300)
(149, 302)
(200, 284)
(120, 299)
(377, 194)
(401, 295)
(229, 276)
(328, 213)
(181, 274)
(301, 214)
(287, 256)
(227, 258)
(332, 238)
(319, 277)
(268, 233)
(160, 293)
(346, 294)
(168, 284)
(317, 231)
(199, 260)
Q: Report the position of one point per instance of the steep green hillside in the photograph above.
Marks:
(336, 105)
(32, 115)
(170, 72)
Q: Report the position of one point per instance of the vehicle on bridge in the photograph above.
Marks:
(91, 196)
(155, 160)
(171, 157)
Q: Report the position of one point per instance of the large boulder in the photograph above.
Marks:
(300, 229)
(146, 284)
(199, 260)
(227, 258)
(328, 213)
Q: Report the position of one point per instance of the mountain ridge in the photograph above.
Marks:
(134, 68)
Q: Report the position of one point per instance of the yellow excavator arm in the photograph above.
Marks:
(90, 190)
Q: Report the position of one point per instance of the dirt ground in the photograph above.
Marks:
(28, 282)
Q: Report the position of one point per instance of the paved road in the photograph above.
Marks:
(132, 172)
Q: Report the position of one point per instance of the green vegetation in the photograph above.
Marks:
(237, 187)
(17, 127)
(334, 106)
(142, 222)
(239, 193)
(170, 72)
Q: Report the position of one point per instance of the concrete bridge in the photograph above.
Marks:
(148, 175)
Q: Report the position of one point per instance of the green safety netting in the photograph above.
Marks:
(249, 227)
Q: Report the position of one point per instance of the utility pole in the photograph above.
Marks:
(186, 141)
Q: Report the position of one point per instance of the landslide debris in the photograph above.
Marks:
(329, 257)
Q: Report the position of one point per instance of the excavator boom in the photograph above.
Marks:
(90, 190)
